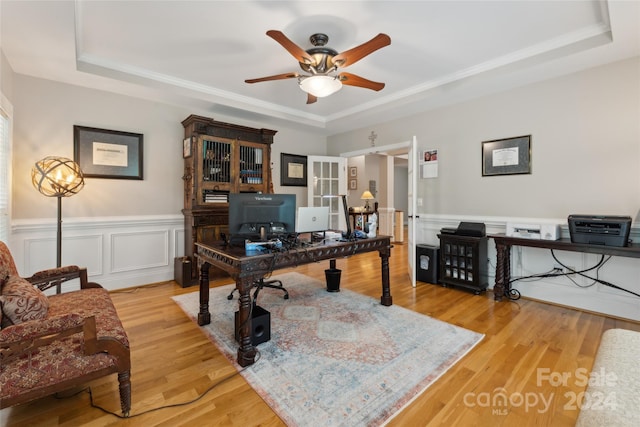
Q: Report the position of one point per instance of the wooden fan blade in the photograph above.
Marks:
(292, 48)
(353, 80)
(311, 98)
(351, 56)
(276, 77)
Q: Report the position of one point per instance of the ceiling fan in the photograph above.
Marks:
(322, 63)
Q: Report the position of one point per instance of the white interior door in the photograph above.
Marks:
(326, 182)
(412, 176)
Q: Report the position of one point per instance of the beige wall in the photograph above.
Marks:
(6, 76)
(44, 115)
(585, 147)
(585, 131)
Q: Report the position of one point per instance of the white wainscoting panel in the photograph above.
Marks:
(141, 249)
(525, 261)
(85, 251)
(117, 252)
(178, 239)
(125, 252)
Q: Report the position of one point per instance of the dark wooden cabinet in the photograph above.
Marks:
(219, 159)
(463, 262)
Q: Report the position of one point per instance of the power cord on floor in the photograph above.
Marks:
(139, 288)
(174, 405)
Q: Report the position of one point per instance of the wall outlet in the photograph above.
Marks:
(568, 270)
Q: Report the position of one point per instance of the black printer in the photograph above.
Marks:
(600, 229)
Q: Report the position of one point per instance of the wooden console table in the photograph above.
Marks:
(503, 255)
(246, 269)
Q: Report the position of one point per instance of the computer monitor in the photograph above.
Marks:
(259, 217)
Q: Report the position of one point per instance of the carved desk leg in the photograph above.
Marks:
(385, 299)
(246, 351)
(503, 270)
(204, 316)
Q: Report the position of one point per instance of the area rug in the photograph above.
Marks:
(336, 358)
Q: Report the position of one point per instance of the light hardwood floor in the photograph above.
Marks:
(528, 347)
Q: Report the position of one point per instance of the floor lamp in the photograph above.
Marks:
(57, 177)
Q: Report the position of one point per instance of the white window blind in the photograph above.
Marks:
(5, 173)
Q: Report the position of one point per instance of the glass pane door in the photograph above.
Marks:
(327, 182)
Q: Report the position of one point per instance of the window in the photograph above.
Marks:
(5, 167)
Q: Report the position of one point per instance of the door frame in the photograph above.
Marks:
(401, 148)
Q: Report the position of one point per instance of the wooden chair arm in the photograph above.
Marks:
(24, 338)
(46, 279)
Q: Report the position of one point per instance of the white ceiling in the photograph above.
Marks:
(198, 53)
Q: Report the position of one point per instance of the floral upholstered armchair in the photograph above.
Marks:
(50, 344)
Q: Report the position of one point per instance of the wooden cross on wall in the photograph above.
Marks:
(372, 137)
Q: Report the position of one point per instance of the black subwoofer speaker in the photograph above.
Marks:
(260, 325)
(182, 272)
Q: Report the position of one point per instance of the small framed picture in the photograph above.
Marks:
(353, 171)
(186, 147)
(353, 184)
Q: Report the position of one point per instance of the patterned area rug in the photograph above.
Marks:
(336, 358)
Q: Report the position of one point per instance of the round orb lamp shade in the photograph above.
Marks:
(320, 86)
(57, 177)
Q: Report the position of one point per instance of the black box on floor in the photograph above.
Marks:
(182, 271)
(427, 263)
(260, 325)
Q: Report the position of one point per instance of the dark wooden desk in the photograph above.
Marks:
(246, 269)
(503, 255)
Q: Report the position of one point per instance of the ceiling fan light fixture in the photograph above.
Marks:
(320, 86)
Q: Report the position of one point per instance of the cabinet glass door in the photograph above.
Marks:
(216, 172)
(216, 161)
(251, 165)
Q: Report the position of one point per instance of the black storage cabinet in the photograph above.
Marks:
(464, 262)
(427, 263)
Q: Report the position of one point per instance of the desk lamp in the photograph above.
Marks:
(366, 196)
(57, 177)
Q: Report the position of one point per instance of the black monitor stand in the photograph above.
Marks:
(349, 233)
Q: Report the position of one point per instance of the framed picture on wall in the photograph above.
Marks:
(103, 153)
(353, 184)
(293, 170)
(507, 156)
(353, 171)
